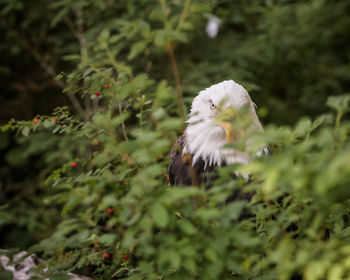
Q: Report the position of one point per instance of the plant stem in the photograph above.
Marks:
(119, 103)
(337, 120)
(60, 83)
(183, 14)
(177, 81)
(79, 34)
(141, 112)
(170, 50)
(123, 124)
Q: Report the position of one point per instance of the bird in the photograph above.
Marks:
(213, 126)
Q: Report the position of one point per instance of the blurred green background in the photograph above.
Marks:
(289, 55)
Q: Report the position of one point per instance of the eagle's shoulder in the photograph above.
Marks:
(180, 169)
(177, 148)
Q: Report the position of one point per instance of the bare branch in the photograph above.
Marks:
(44, 64)
(51, 72)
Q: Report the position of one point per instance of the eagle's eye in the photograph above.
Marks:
(212, 105)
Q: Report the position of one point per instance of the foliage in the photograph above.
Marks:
(101, 186)
(286, 53)
(116, 201)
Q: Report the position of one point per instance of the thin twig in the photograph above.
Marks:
(165, 15)
(183, 15)
(119, 103)
(87, 101)
(170, 49)
(177, 81)
(78, 32)
(44, 64)
(71, 27)
(95, 104)
(123, 124)
(51, 72)
(111, 80)
(114, 62)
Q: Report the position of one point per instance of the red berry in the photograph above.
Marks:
(74, 164)
(125, 257)
(36, 120)
(54, 120)
(97, 93)
(121, 181)
(109, 211)
(106, 86)
(106, 256)
(96, 250)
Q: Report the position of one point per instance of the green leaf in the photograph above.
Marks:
(25, 131)
(210, 255)
(234, 209)
(187, 227)
(319, 121)
(108, 239)
(48, 123)
(160, 215)
(136, 49)
(339, 103)
(207, 213)
(302, 127)
(190, 265)
(63, 12)
(104, 36)
(169, 259)
(71, 57)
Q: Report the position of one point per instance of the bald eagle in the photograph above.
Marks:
(204, 145)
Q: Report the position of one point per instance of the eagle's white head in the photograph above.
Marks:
(210, 128)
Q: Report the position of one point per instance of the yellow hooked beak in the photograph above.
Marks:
(227, 126)
(229, 113)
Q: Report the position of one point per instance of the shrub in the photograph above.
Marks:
(103, 169)
(115, 201)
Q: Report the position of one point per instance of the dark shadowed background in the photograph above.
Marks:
(289, 55)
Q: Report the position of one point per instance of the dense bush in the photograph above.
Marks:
(100, 203)
(114, 200)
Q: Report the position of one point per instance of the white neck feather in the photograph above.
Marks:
(205, 139)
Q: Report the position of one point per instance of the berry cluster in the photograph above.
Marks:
(106, 86)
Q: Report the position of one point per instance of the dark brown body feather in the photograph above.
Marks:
(180, 169)
(181, 173)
